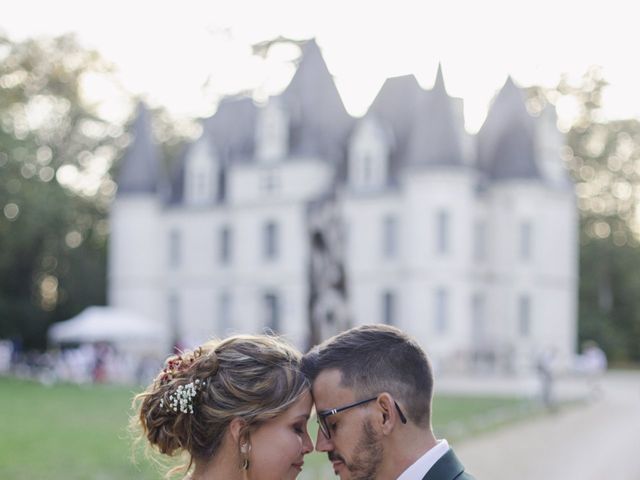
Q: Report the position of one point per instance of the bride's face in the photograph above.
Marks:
(278, 446)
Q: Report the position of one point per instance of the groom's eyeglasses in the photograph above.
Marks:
(322, 416)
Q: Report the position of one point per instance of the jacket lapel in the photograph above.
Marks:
(447, 468)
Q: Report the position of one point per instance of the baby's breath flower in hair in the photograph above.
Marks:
(182, 399)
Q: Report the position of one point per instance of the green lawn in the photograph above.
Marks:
(69, 432)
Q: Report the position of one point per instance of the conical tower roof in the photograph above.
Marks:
(139, 169)
(507, 139)
(395, 107)
(319, 123)
(436, 136)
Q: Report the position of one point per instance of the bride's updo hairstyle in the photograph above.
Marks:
(190, 404)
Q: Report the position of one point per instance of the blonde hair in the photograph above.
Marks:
(254, 378)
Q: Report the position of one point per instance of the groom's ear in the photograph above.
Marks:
(387, 410)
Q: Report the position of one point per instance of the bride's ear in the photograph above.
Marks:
(236, 429)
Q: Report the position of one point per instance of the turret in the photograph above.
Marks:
(136, 246)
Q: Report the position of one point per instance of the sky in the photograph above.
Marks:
(184, 54)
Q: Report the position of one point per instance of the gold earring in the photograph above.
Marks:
(245, 448)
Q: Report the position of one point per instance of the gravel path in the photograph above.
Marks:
(599, 440)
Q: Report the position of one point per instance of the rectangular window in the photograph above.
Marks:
(174, 319)
(367, 175)
(526, 232)
(201, 185)
(224, 313)
(442, 231)
(175, 248)
(389, 308)
(346, 229)
(524, 315)
(389, 236)
(271, 307)
(480, 241)
(270, 240)
(478, 323)
(271, 182)
(225, 242)
(441, 310)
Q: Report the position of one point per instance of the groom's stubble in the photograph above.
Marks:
(367, 456)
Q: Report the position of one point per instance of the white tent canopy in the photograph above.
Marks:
(107, 324)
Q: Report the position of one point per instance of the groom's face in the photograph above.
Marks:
(354, 447)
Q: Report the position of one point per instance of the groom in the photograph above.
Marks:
(372, 387)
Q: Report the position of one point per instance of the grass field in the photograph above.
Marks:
(75, 432)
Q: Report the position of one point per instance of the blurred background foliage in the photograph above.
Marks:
(58, 157)
(54, 186)
(603, 158)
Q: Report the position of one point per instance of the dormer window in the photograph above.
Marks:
(369, 156)
(272, 133)
(201, 171)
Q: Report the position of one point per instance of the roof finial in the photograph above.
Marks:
(510, 83)
(439, 83)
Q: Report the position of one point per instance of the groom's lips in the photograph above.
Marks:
(336, 462)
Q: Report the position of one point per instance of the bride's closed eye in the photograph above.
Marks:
(299, 428)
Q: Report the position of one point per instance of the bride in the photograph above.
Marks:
(238, 408)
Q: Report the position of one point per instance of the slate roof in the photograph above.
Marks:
(424, 129)
(507, 139)
(319, 123)
(435, 135)
(395, 106)
(231, 130)
(139, 168)
(424, 125)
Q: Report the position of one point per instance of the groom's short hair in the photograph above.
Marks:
(374, 359)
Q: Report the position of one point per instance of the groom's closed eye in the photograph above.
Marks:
(332, 426)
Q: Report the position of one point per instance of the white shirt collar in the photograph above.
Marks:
(420, 467)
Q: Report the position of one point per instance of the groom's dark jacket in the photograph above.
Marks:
(447, 468)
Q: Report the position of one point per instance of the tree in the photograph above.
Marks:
(604, 161)
(55, 187)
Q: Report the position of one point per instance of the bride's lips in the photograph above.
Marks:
(298, 465)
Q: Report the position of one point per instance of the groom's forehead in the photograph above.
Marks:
(328, 389)
(330, 377)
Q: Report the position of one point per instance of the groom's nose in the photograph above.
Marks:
(323, 444)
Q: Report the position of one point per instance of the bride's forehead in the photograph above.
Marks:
(301, 406)
(304, 402)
